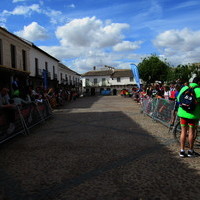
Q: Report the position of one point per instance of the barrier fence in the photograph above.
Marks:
(25, 117)
(158, 109)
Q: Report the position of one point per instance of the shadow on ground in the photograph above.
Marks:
(93, 156)
(87, 104)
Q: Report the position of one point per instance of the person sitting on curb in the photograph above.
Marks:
(189, 120)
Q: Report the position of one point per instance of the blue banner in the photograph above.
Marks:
(136, 74)
(45, 80)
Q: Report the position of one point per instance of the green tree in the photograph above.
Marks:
(195, 69)
(152, 69)
(183, 73)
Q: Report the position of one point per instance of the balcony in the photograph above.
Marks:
(64, 82)
(99, 84)
(49, 75)
(55, 76)
(39, 73)
(92, 84)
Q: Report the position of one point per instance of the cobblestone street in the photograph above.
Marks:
(97, 148)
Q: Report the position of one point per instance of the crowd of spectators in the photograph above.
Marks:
(155, 90)
(18, 96)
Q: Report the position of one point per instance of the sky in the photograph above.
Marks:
(86, 33)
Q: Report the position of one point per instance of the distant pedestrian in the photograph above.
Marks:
(189, 119)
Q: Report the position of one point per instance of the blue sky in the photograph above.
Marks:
(87, 33)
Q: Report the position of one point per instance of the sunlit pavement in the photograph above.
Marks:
(97, 148)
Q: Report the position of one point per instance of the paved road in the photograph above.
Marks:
(97, 148)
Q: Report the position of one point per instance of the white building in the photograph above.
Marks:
(14, 58)
(107, 78)
(41, 62)
(32, 65)
(68, 78)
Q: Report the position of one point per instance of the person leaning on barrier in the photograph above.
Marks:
(17, 100)
(8, 108)
(189, 119)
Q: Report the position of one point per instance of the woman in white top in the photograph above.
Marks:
(166, 92)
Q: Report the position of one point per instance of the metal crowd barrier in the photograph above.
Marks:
(26, 117)
(158, 109)
(148, 106)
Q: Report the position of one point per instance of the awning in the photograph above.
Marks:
(13, 71)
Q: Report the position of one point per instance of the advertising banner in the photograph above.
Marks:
(136, 74)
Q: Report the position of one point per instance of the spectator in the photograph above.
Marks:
(176, 105)
(189, 120)
(18, 101)
(8, 108)
(15, 84)
(166, 92)
(159, 95)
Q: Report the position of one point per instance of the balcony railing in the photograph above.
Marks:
(55, 76)
(49, 75)
(39, 73)
(99, 84)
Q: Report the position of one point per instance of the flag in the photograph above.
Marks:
(136, 74)
(44, 76)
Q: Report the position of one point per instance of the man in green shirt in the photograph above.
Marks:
(189, 119)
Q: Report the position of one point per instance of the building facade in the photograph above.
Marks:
(44, 68)
(69, 78)
(14, 58)
(107, 78)
(31, 65)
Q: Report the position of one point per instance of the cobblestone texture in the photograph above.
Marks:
(97, 148)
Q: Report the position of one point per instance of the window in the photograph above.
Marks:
(87, 82)
(13, 56)
(36, 67)
(118, 79)
(1, 52)
(95, 81)
(103, 81)
(61, 76)
(131, 79)
(46, 66)
(66, 78)
(70, 80)
(24, 59)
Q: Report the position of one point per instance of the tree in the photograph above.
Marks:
(152, 69)
(195, 68)
(183, 73)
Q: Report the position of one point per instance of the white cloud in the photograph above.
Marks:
(54, 15)
(89, 41)
(90, 32)
(23, 10)
(71, 6)
(179, 46)
(127, 46)
(94, 58)
(33, 32)
(186, 4)
(61, 52)
(15, 1)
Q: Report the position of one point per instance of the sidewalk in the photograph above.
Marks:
(97, 148)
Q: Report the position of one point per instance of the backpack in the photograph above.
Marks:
(188, 99)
